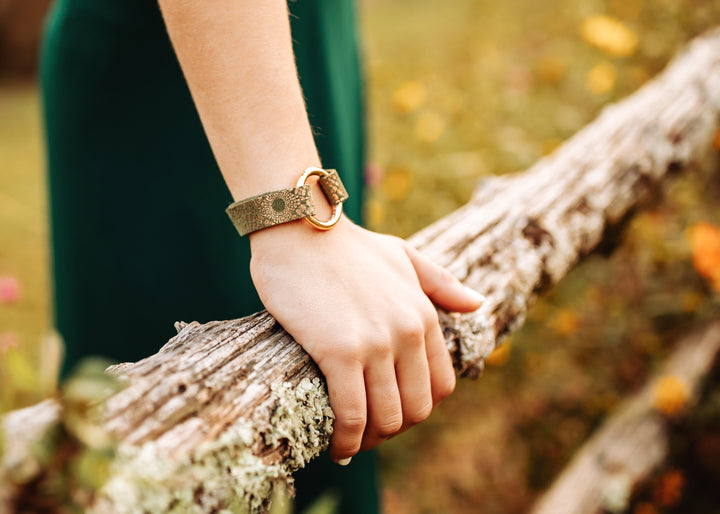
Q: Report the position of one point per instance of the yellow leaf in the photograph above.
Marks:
(397, 183)
(429, 127)
(601, 78)
(500, 355)
(409, 97)
(374, 213)
(670, 395)
(565, 322)
(609, 35)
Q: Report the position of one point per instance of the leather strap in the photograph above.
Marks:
(269, 209)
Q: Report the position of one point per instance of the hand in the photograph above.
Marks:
(360, 304)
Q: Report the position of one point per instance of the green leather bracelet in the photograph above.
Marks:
(269, 209)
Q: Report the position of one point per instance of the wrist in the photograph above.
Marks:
(288, 235)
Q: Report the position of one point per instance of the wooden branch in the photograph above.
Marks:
(634, 440)
(226, 410)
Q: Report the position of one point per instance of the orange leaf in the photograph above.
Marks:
(705, 244)
(565, 322)
(668, 490)
(499, 355)
(671, 395)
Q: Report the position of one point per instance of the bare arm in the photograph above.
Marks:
(358, 302)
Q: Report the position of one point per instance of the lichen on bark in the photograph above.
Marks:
(226, 474)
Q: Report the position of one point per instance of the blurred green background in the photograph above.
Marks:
(459, 90)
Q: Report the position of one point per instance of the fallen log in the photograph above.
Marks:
(635, 439)
(227, 410)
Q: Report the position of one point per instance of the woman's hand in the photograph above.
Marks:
(360, 304)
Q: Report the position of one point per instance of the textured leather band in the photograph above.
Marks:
(269, 209)
(333, 187)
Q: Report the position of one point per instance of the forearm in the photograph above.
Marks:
(365, 313)
(238, 61)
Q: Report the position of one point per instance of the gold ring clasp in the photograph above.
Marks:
(336, 208)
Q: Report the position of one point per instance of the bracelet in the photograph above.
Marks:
(269, 209)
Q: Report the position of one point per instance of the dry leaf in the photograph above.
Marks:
(609, 35)
(409, 97)
(601, 78)
(499, 355)
(705, 244)
(671, 395)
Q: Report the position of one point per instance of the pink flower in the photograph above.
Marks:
(374, 174)
(8, 340)
(9, 289)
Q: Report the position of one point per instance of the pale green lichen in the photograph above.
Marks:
(303, 420)
(225, 475)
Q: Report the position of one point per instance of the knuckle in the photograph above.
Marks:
(429, 314)
(354, 424)
(345, 450)
(380, 348)
(412, 330)
(419, 415)
(389, 426)
(446, 276)
(446, 388)
(348, 351)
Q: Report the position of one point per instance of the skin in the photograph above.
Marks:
(360, 303)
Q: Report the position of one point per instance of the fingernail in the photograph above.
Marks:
(344, 462)
(476, 296)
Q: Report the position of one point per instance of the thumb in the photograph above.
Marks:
(441, 287)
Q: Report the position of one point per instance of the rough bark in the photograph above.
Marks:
(227, 409)
(633, 441)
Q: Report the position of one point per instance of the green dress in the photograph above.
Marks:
(139, 234)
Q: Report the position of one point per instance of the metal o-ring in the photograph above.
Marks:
(336, 209)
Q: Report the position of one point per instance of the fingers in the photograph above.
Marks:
(413, 376)
(346, 388)
(440, 286)
(440, 365)
(402, 383)
(385, 412)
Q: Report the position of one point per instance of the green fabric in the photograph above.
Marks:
(139, 232)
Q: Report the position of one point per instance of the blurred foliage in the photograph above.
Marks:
(468, 89)
(29, 353)
(458, 91)
(71, 459)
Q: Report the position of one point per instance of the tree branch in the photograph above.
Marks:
(634, 440)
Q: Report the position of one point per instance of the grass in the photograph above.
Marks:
(23, 243)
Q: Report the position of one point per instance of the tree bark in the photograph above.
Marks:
(634, 440)
(228, 409)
